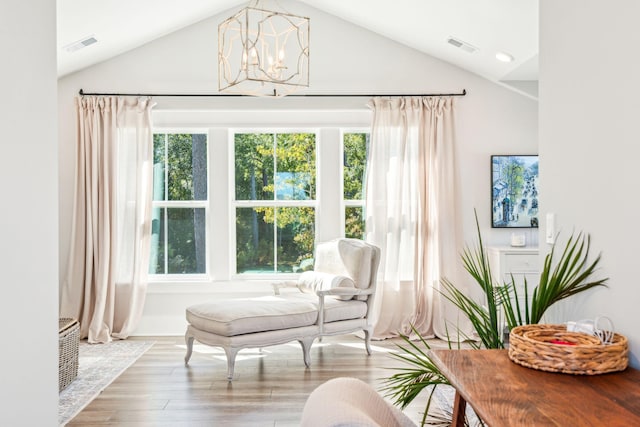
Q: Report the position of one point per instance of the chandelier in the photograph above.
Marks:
(263, 52)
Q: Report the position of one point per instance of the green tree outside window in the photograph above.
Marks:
(276, 168)
(355, 146)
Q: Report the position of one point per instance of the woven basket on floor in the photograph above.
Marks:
(551, 348)
(68, 349)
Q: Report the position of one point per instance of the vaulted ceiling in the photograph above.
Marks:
(490, 26)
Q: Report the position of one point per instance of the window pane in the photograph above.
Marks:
(178, 241)
(296, 166)
(185, 240)
(355, 157)
(254, 166)
(184, 158)
(156, 259)
(187, 166)
(255, 233)
(354, 222)
(296, 237)
(159, 152)
(254, 240)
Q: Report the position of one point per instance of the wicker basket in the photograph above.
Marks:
(68, 348)
(551, 348)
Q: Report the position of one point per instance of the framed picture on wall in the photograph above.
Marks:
(514, 191)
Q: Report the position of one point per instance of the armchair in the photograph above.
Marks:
(350, 402)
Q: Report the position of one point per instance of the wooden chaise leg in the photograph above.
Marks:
(231, 361)
(229, 351)
(189, 341)
(306, 349)
(367, 340)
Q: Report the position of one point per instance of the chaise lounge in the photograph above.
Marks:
(335, 298)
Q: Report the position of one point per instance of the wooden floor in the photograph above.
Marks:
(269, 387)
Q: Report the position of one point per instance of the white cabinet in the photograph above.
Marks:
(521, 263)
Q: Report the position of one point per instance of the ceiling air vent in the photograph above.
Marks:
(77, 45)
(461, 45)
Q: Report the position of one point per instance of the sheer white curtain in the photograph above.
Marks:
(106, 279)
(411, 212)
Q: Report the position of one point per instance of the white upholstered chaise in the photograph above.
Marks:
(335, 298)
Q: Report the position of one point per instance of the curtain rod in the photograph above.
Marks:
(307, 95)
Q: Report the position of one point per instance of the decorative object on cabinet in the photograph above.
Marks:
(514, 191)
(518, 240)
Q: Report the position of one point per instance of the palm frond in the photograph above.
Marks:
(570, 276)
(407, 383)
(485, 325)
(483, 317)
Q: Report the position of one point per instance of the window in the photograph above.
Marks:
(178, 231)
(355, 146)
(275, 199)
(239, 199)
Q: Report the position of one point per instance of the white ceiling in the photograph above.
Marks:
(489, 25)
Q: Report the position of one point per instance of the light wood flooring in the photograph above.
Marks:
(270, 387)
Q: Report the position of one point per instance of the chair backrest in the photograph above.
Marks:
(353, 258)
(347, 401)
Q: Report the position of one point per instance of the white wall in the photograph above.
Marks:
(344, 58)
(589, 109)
(29, 214)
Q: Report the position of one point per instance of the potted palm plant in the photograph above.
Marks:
(560, 278)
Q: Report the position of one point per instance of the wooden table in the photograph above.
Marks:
(503, 393)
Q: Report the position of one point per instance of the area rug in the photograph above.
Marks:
(98, 366)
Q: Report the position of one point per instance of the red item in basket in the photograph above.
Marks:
(562, 342)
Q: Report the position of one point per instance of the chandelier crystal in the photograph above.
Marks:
(263, 52)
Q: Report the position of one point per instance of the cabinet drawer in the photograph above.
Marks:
(519, 279)
(520, 263)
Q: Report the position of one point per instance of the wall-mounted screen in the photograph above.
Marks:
(514, 191)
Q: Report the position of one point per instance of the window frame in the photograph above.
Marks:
(234, 203)
(188, 204)
(218, 118)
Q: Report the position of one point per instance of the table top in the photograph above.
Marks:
(503, 393)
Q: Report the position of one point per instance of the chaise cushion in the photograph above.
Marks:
(244, 316)
(313, 281)
(334, 309)
(346, 257)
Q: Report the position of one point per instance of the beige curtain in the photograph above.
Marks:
(412, 215)
(106, 279)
